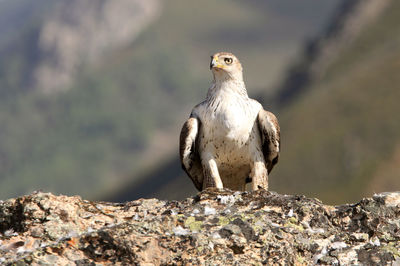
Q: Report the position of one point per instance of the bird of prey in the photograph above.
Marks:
(229, 139)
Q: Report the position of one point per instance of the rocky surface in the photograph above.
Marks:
(212, 228)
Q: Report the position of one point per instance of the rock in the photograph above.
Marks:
(214, 227)
(388, 198)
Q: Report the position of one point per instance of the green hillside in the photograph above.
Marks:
(106, 128)
(341, 136)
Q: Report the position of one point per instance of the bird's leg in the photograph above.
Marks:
(211, 174)
(259, 175)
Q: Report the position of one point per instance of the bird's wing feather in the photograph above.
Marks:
(270, 137)
(188, 150)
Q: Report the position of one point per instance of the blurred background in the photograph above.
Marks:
(93, 94)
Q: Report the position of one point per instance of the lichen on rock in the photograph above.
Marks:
(212, 228)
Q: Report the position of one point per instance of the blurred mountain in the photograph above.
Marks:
(337, 108)
(349, 20)
(341, 134)
(82, 32)
(15, 15)
(92, 95)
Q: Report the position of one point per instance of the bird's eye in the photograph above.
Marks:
(228, 60)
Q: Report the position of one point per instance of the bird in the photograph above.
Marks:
(229, 140)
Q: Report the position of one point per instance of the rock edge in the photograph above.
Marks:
(212, 228)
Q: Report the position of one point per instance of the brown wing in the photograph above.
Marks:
(189, 153)
(270, 137)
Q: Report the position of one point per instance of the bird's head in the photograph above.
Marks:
(226, 66)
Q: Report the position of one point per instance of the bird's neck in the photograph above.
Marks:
(227, 86)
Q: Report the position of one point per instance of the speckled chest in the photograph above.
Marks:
(228, 127)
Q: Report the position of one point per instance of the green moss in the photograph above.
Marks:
(223, 220)
(200, 249)
(300, 259)
(392, 249)
(292, 222)
(192, 224)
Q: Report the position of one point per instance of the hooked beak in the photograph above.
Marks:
(214, 62)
